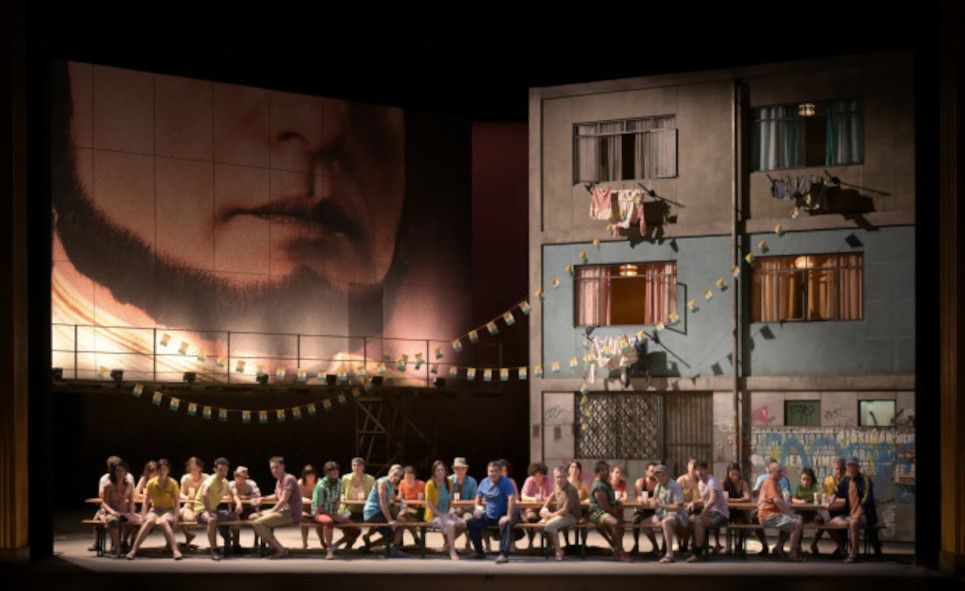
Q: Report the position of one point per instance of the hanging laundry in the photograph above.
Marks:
(630, 203)
(601, 204)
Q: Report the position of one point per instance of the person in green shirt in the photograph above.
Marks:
(605, 512)
(211, 494)
(804, 495)
(325, 509)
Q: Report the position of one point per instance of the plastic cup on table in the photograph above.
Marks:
(456, 496)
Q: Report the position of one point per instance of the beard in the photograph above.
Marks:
(175, 294)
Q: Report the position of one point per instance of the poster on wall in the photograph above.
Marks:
(199, 225)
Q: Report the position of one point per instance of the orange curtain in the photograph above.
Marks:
(851, 287)
(660, 292)
(592, 296)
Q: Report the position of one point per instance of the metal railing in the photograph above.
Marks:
(91, 352)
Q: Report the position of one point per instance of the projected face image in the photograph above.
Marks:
(204, 204)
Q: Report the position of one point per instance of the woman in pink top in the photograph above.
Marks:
(536, 489)
(117, 505)
(306, 486)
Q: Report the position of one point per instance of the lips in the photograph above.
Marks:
(322, 217)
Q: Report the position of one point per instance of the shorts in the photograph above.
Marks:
(221, 516)
(863, 520)
(716, 519)
(596, 517)
(782, 522)
(641, 515)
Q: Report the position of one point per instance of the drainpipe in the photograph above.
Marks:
(736, 191)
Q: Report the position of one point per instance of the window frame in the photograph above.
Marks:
(631, 133)
(804, 302)
(754, 121)
(894, 403)
(641, 264)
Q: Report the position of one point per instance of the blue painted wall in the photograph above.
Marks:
(882, 343)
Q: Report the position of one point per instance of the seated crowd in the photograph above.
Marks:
(687, 509)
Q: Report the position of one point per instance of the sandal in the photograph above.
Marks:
(665, 560)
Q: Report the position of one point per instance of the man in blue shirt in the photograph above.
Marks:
(500, 497)
(856, 496)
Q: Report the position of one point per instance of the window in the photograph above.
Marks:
(807, 287)
(833, 135)
(630, 293)
(876, 413)
(802, 413)
(622, 150)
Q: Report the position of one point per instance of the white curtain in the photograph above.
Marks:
(845, 137)
(592, 296)
(655, 147)
(588, 153)
(613, 150)
(777, 139)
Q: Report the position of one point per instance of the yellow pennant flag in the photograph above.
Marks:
(473, 336)
(165, 339)
(524, 307)
(555, 281)
(659, 326)
(206, 413)
(175, 404)
(749, 257)
(280, 373)
(762, 246)
(538, 294)
(596, 242)
(312, 410)
(327, 405)
(138, 390)
(674, 318)
(504, 374)
(538, 370)
(471, 374)
(302, 375)
(221, 361)
(297, 413)
(246, 416)
(487, 375)
(263, 417)
(438, 353)
(692, 305)
(778, 230)
(794, 213)
(571, 270)
(240, 366)
(156, 399)
(453, 371)
(555, 366)
(457, 345)
(280, 415)
(341, 397)
(720, 283)
(573, 362)
(223, 415)
(192, 409)
(183, 349)
(492, 328)
(708, 294)
(584, 257)
(509, 319)
(736, 271)
(522, 373)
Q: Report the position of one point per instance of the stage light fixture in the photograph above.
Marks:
(190, 377)
(376, 380)
(117, 375)
(262, 378)
(440, 382)
(57, 373)
(330, 379)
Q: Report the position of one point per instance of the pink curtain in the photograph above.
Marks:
(592, 296)
(660, 291)
(764, 304)
(851, 287)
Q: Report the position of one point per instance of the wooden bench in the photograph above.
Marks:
(101, 530)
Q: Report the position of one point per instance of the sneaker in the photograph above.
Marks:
(216, 555)
(502, 559)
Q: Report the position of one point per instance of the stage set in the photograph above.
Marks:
(386, 303)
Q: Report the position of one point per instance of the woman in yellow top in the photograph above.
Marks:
(689, 483)
(439, 511)
(161, 494)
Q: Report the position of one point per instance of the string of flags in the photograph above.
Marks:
(174, 404)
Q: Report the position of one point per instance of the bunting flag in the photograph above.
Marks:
(749, 257)
(555, 366)
(538, 294)
(778, 230)
(138, 390)
(555, 281)
(419, 360)
(457, 345)
(471, 374)
(302, 375)
(736, 271)
(280, 373)
(522, 373)
(453, 371)
(674, 318)
(660, 326)
(156, 399)
(692, 305)
(403, 362)
(206, 413)
(381, 370)
(795, 212)
(341, 398)
(524, 307)
(192, 409)
(473, 336)
(487, 375)
(641, 336)
(223, 415)
(259, 370)
(434, 368)
(297, 413)
(280, 415)
(573, 363)
(538, 370)
(571, 270)
(175, 404)
(438, 353)
(202, 357)
(720, 283)
(492, 328)
(762, 246)
(102, 372)
(240, 366)
(263, 417)
(596, 242)
(584, 257)
(220, 361)
(708, 294)
(361, 372)
(327, 405)
(165, 339)
(246, 416)
(509, 319)
(356, 392)
(312, 410)
(183, 349)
